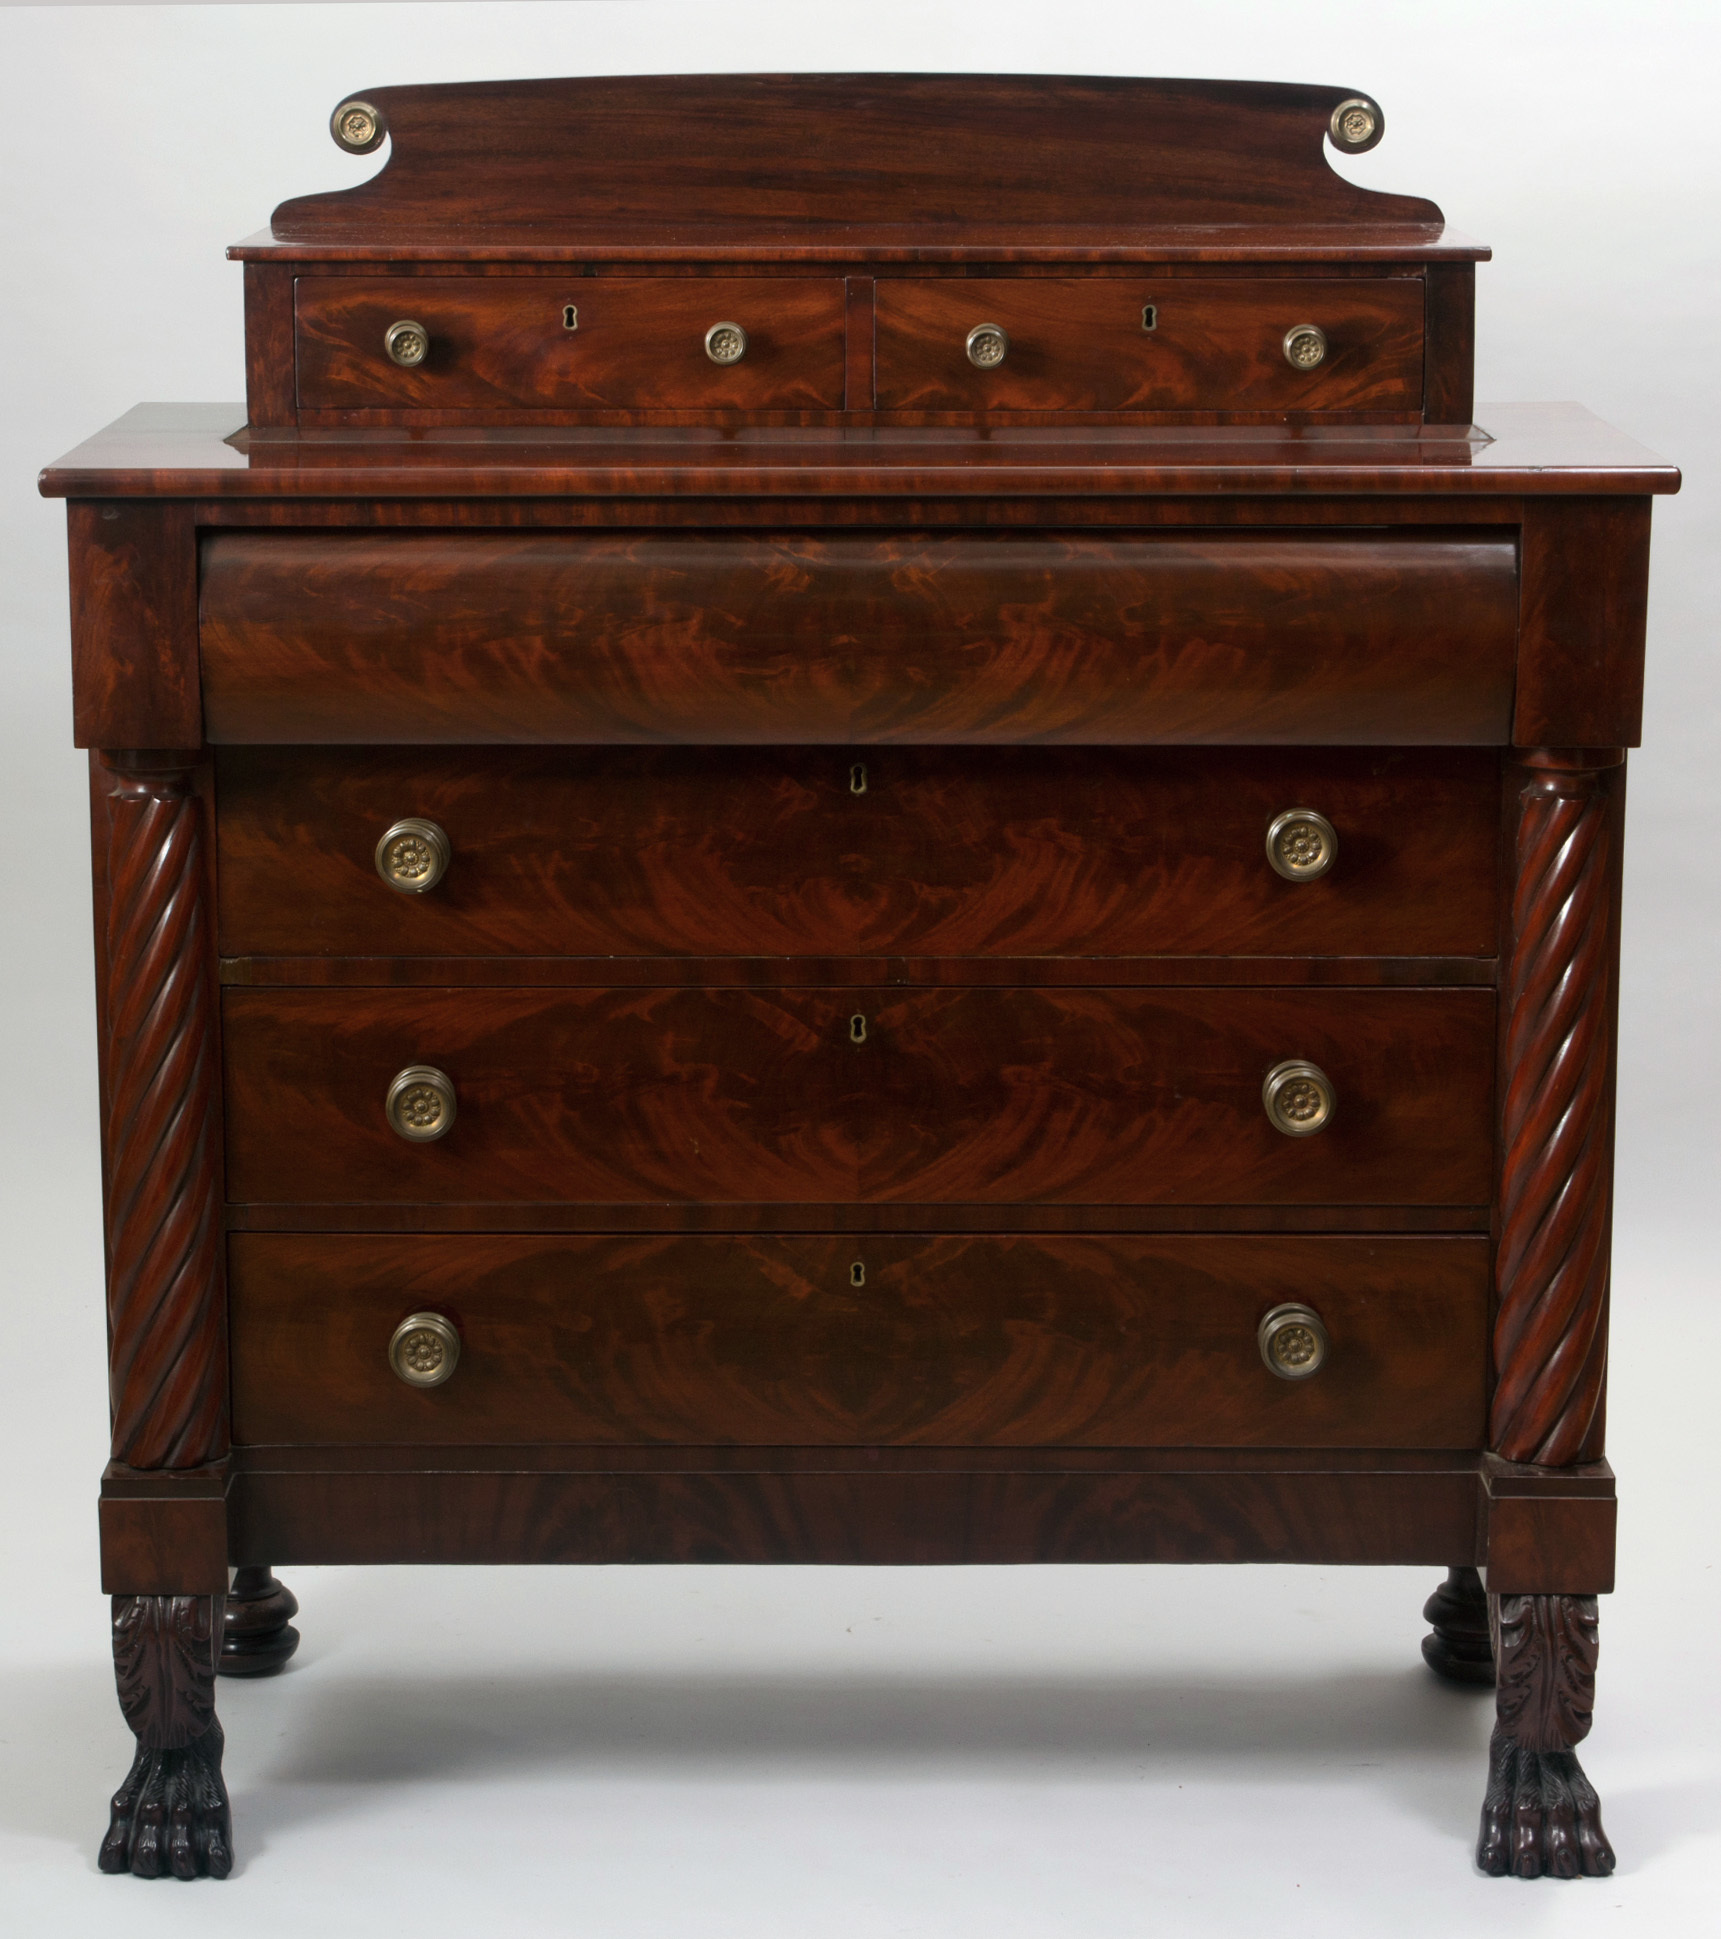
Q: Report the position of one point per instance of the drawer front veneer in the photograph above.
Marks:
(996, 1341)
(983, 1096)
(828, 852)
(1079, 344)
(638, 343)
(486, 637)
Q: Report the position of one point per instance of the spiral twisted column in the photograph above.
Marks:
(1550, 1340)
(166, 1324)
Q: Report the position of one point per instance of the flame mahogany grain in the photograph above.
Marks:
(1216, 346)
(625, 622)
(995, 1341)
(474, 637)
(499, 343)
(975, 1096)
(1005, 852)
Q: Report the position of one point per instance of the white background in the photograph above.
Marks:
(998, 1752)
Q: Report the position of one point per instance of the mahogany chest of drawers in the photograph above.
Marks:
(855, 824)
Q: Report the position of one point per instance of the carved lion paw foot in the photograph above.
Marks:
(1541, 1817)
(171, 1816)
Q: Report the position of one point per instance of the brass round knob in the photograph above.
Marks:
(421, 1104)
(1301, 845)
(425, 1350)
(1356, 124)
(407, 343)
(988, 345)
(1293, 1341)
(1299, 1097)
(726, 343)
(413, 855)
(1305, 346)
(358, 127)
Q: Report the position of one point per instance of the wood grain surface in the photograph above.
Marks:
(442, 1508)
(1062, 473)
(665, 163)
(977, 1096)
(991, 1342)
(1007, 852)
(1079, 344)
(1557, 1104)
(134, 626)
(161, 1135)
(1585, 621)
(485, 637)
(639, 343)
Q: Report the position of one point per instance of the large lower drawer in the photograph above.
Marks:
(995, 1341)
(820, 1096)
(926, 851)
(564, 636)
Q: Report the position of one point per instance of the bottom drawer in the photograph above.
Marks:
(991, 1341)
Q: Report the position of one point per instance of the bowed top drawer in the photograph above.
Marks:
(488, 343)
(1293, 638)
(1103, 343)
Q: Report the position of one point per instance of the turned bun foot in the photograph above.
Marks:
(258, 1635)
(1460, 1647)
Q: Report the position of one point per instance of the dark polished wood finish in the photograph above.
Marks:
(1084, 345)
(876, 165)
(858, 958)
(974, 1342)
(1000, 1097)
(1580, 657)
(1541, 1815)
(257, 1633)
(1550, 1333)
(943, 854)
(204, 452)
(171, 1816)
(167, 1344)
(992, 639)
(1458, 1646)
(134, 626)
(636, 343)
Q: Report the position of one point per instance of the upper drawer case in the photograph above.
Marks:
(1105, 343)
(637, 343)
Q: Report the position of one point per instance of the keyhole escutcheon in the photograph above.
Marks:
(570, 316)
(857, 778)
(857, 1274)
(857, 1029)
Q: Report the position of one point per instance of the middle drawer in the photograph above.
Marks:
(877, 851)
(822, 1096)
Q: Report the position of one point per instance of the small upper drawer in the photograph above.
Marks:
(1103, 343)
(576, 343)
